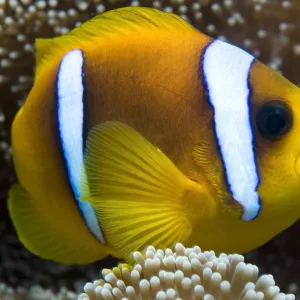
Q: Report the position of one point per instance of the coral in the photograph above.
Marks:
(186, 273)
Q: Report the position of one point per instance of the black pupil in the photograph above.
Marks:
(274, 119)
(275, 122)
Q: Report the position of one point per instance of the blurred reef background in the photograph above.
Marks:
(269, 29)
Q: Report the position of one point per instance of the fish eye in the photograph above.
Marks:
(274, 119)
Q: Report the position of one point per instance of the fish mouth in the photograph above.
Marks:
(297, 166)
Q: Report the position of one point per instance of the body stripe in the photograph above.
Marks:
(70, 106)
(226, 70)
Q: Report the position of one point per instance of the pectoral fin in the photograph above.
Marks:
(136, 191)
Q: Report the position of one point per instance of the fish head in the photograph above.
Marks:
(275, 113)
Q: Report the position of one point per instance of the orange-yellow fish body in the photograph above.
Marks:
(141, 130)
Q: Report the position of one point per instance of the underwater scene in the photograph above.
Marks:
(149, 149)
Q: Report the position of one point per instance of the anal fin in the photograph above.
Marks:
(48, 232)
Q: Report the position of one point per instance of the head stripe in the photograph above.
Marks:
(226, 71)
(70, 109)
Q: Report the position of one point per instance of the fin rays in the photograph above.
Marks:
(42, 235)
(135, 190)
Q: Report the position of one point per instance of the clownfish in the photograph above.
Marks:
(140, 130)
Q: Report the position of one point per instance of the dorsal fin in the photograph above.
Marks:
(122, 21)
(127, 20)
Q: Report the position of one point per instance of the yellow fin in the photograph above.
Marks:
(35, 228)
(128, 20)
(136, 191)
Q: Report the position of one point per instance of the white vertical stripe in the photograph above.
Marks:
(70, 95)
(226, 70)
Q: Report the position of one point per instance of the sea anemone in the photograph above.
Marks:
(185, 273)
(36, 292)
